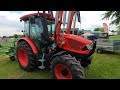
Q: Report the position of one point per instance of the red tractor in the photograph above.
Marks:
(45, 45)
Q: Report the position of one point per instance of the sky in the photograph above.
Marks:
(10, 21)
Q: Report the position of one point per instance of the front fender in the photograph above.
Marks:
(58, 54)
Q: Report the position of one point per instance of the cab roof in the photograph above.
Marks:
(49, 16)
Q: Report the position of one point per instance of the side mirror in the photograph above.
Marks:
(23, 31)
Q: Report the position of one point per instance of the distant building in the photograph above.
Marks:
(80, 32)
(112, 32)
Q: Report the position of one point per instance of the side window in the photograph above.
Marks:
(26, 28)
(51, 26)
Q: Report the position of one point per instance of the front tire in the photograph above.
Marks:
(86, 62)
(66, 67)
(25, 56)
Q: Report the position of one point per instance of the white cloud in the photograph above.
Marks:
(7, 31)
(93, 19)
(10, 15)
(9, 23)
(9, 20)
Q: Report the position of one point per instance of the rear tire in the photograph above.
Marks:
(25, 56)
(66, 67)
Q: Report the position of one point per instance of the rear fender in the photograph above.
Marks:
(32, 45)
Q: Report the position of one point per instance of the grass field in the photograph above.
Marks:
(104, 66)
(115, 37)
(11, 70)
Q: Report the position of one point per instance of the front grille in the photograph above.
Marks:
(74, 44)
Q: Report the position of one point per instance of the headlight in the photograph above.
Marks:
(89, 46)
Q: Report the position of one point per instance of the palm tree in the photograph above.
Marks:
(115, 15)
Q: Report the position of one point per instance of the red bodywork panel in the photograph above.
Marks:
(32, 45)
(36, 14)
(74, 43)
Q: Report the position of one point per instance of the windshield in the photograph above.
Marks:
(36, 28)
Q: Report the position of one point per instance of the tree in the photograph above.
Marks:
(115, 15)
(10, 36)
(15, 36)
(20, 36)
(118, 29)
(4, 36)
(99, 29)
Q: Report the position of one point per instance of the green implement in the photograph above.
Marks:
(9, 51)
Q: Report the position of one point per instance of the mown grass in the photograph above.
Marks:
(11, 69)
(104, 66)
(117, 37)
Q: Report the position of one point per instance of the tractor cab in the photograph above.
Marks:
(34, 24)
(39, 27)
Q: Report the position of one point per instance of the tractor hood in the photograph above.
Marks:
(78, 38)
(76, 44)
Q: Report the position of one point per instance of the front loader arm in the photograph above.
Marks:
(58, 22)
(70, 19)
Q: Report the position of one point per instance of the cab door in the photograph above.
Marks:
(36, 31)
